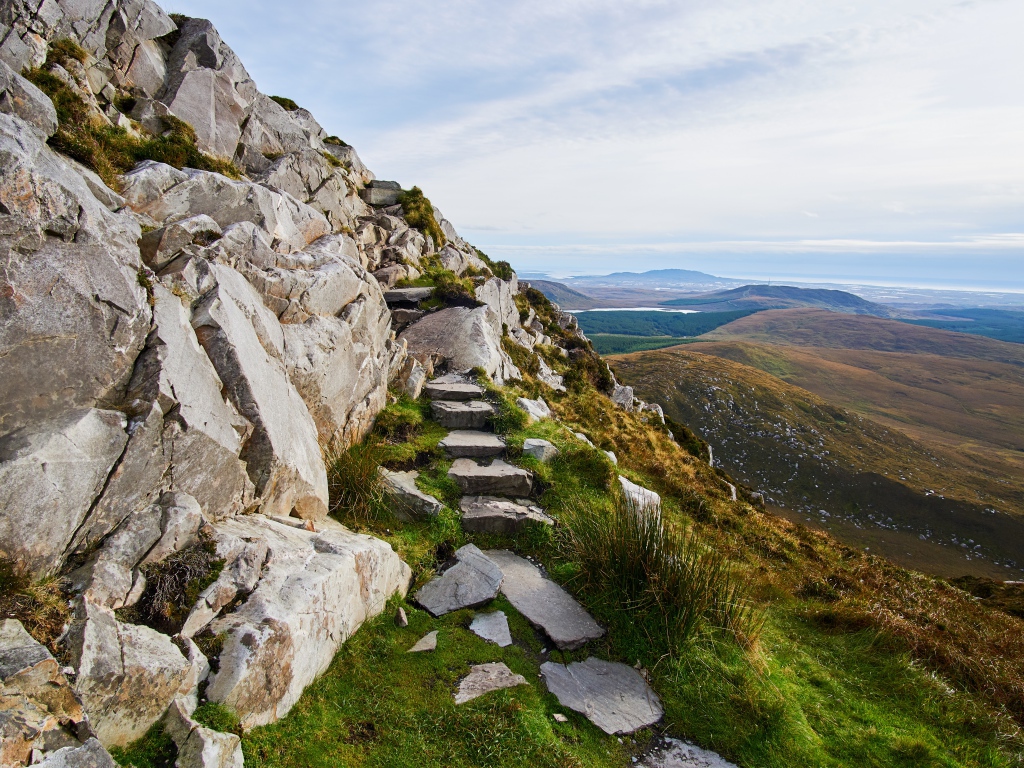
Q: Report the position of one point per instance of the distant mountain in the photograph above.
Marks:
(656, 277)
(563, 296)
(757, 297)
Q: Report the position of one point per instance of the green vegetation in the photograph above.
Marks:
(613, 344)
(217, 717)
(154, 750)
(1005, 325)
(419, 212)
(335, 141)
(111, 150)
(356, 492)
(42, 607)
(286, 103)
(450, 290)
(501, 269)
(640, 323)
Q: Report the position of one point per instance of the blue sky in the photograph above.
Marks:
(866, 139)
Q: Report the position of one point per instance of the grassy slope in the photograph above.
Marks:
(620, 344)
(640, 323)
(755, 297)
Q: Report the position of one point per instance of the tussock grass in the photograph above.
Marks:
(419, 212)
(42, 607)
(357, 495)
(286, 103)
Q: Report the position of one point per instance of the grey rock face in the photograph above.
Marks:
(472, 581)
(438, 390)
(680, 754)
(544, 603)
(535, 409)
(412, 377)
(89, 755)
(498, 478)
(613, 696)
(623, 397)
(472, 444)
(499, 295)
(21, 98)
(382, 193)
(311, 597)
(160, 246)
(49, 479)
(541, 450)
(639, 497)
(490, 514)
(413, 502)
(492, 627)
(461, 415)
(407, 295)
(484, 678)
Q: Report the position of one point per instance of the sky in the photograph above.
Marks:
(861, 140)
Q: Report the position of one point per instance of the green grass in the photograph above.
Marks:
(420, 214)
(1004, 325)
(154, 750)
(639, 323)
(615, 344)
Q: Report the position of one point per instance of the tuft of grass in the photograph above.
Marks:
(285, 102)
(523, 359)
(64, 51)
(357, 494)
(42, 607)
(218, 717)
(508, 416)
(154, 750)
(501, 269)
(420, 213)
(335, 141)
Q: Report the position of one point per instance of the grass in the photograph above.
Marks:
(286, 103)
(42, 607)
(419, 212)
(356, 492)
(154, 750)
(639, 323)
(616, 344)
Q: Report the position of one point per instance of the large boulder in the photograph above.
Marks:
(499, 295)
(466, 338)
(20, 97)
(313, 595)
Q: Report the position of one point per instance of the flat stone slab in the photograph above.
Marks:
(498, 478)
(680, 754)
(492, 627)
(544, 603)
(473, 444)
(484, 678)
(638, 496)
(541, 450)
(426, 643)
(472, 414)
(411, 501)
(441, 390)
(471, 582)
(613, 696)
(407, 295)
(491, 514)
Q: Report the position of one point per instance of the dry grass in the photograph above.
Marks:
(357, 494)
(42, 608)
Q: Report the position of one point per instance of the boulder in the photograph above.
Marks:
(407, 295)
(472, 444)
(411, 501)
(470, 582)
(411, 378)
(656, 409)
(311, 597)
(639, 497)
(491, 514)
(547, 376)
(499, 295)
(544, 603)
(382, 193)
(160, 246)
(498, 478)
(673, 753)
(484, 678)
(612, 457)
(535, 409)
(426, 643)
(458, 261)
(613, 696)
(89, 755)
(623, 397)
(466, 338)
(198, 746)
(21, 98)
(442, 390)
(50, 477)
(541, 450)
(492, 627)
(461, 415)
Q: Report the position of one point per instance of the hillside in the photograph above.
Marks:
(564, 296)
(760, 297)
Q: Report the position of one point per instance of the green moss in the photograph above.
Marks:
(218, 717)
(420, 213)
(285, 102)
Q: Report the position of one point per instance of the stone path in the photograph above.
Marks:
(613, 696)
(491, 514)
(484, 678)
(680, 754)
(472, 444)
(472, 581)
(462, 414)
(498, 478)
(492, 627)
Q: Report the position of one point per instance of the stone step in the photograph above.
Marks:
(544, 603)
(470, 443)
(410, 501)
(407, 296)
(489, 514)
(461, 415)
(613, 696)
(473, 580)
(497, 479)
(440, 390)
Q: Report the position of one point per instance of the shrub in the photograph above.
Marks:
(501, 269)
(419, 212)
(285, 102)
(357, 494)
(335, 141)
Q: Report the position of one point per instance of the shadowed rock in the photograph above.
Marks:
(472, 444)
(613, 696)
(490, 514)
(411, 500)
(473, 580)
(440, 390)
(461, 415)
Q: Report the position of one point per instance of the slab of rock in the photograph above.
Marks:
(541, 450)
(160, 246)
(472, 581)
(484, 678)
(411, 378)
(492, 627)
(426, 643)
(412, 503)
(680, 754)
(491, 514)
(312, 595)
(440, 390)
(535, 409)
(638, 496)
(472, 444)
(89, 755)
(499, 295)
(473, 414)
(407, 295)
(614, 697)
(544, 603)
(20, 97)
(198, 746)
(498, 478)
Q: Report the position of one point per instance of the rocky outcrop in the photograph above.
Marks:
(465, 339)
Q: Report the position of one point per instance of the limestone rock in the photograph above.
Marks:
(412, 502)
(498, 478)
(638, 496)
(547, 376)
(673, 753)
(426, 643)
(458, 261)
(21, 98)
(442, 390)
(401, 620)
(623, 397)
(407, 295)
(613, 696)
(472, 581)
(536, 409)
(499, 295)
(89, 755)
(50, 477)
(160, 246)
(544, 603)
(490, 514)
(472, 444)
(412, 377)
(541, 450)
(198, 746)
(492, 627)
(484, 678)
(382, 193)
(612, 457)
(473, 414)
(311, 597)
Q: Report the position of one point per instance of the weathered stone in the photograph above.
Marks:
(490, 514)
(639, 497)
(473, 414)
(160, 246)
(411, 501)
(198, 746)
(311, 597)
(127, 675)
(623, 397)
(673, 753)
(497, 478)
(499, 295)
(541, 450)
(21, 98)
(584, 438)
(89, 755)
(412, 377)
(49, 478)
(472, 581)
(544, 603)
(547, 376)
(437, 390)
(382, 193)
(484, 678)
(612, 457)
(492, 627)
(535, 409)
(656, 409)
(613, 696)
(472, 444)
(401, 620)
(458, 261)
(466, 338)
(407, 295)
(181, 518)
(426, 643)
(401, 317)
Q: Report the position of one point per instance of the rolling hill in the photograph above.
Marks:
(759, 297)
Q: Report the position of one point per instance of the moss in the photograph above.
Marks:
(286, 103)
(500, 269)
(64, 51)
(217, 717)
(419, 212)
(154, 750)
